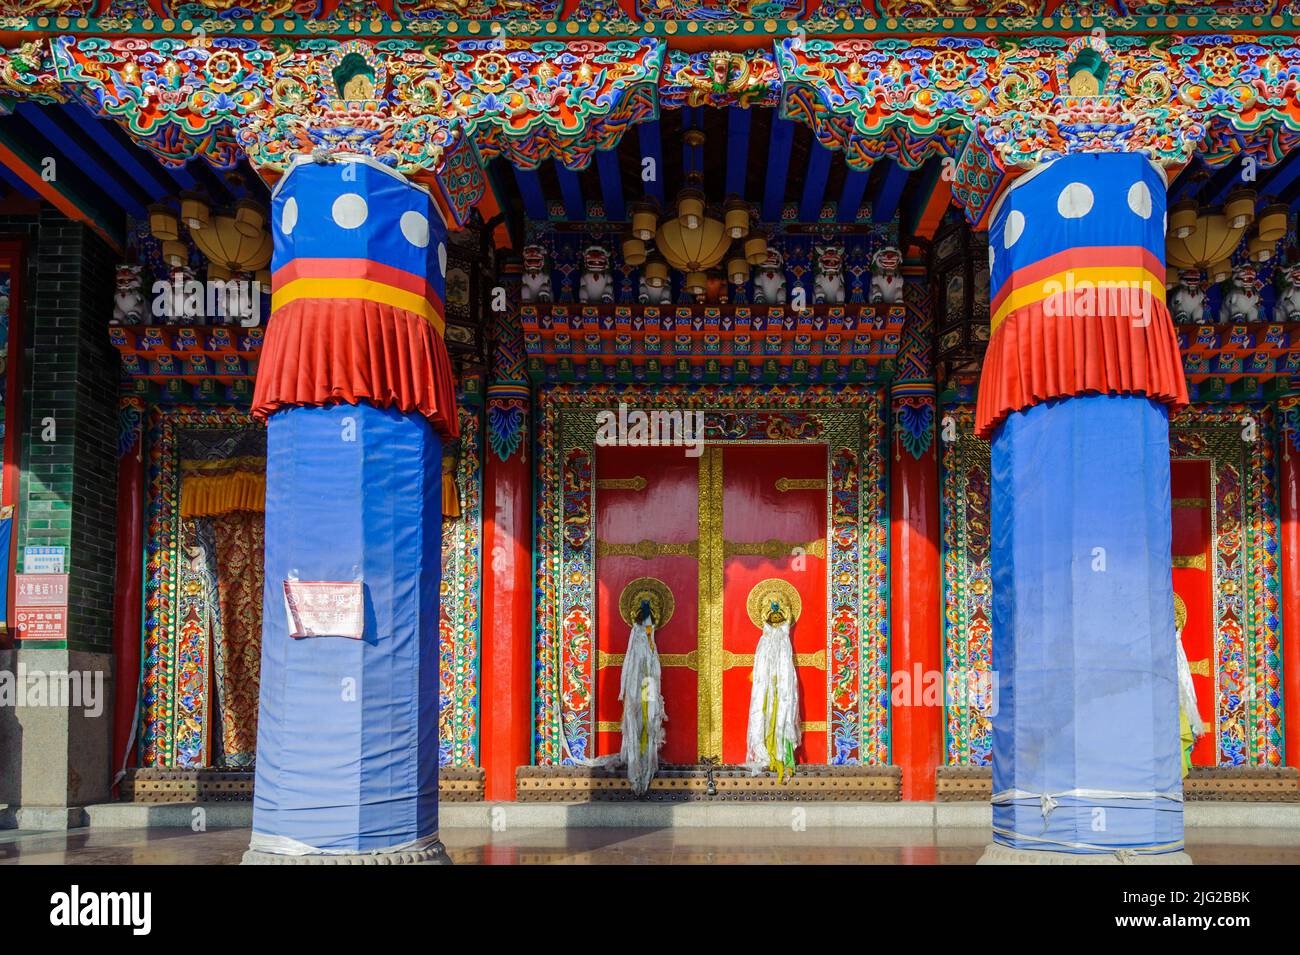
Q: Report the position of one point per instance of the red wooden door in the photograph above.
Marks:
(1193, 555)
(647, 524)
(773, 526)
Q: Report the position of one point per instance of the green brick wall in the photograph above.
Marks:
(69, 484)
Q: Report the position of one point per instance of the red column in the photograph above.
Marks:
(507, 646)
(914, 592)
(127, 583)
(1289, 526)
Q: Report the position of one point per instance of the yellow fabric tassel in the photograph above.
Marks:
(775, 763)
(1187, 739)
(210, 495)
(645, 716)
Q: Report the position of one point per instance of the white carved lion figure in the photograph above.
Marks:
(181, 307)
(769, 280)
(536, 283)
(128, 298)
(1187, 298)
(597, 282)
(1287, 308)
(649, 295)
(886, 280)
(828, 280)
(1241, 296)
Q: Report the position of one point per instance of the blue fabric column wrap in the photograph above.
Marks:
(1085, 737)
(357, 391)
(347, 743)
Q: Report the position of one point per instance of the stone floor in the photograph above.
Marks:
(623, 846)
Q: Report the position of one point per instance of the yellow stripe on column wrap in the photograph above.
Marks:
(1101, 278)
(361, 289)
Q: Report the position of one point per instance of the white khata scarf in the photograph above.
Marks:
(1187, 691)
(773, 733)
(641, 691)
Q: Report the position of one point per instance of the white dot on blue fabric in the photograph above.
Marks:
(442, 258)
(1075, 201)
(1139, 199)
(416, 229)
(349, 211)
(289, 216)
(1015, 228)
(991, 257)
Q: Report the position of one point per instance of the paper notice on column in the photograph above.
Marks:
(324, 608)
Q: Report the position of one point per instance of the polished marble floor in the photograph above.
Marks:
(681, 846)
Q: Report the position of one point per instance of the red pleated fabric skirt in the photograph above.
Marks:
(1034, 357)
(343, 351)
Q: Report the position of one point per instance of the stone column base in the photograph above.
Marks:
(435, 854)
(1003, 855)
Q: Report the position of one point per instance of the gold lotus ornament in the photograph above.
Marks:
(770, 591)
(655, 592)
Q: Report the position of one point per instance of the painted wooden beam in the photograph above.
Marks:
(125, 194)
(530, 188)
(611, 185)
(16, 156)
(738, 122)
(886, 201)
(131, 159)
(575, 209)
(778, 164)
(921, 218)
(652, 148)
(814, 184)
(855, 186)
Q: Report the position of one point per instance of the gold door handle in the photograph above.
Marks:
(689, 661)
(800, 484)
(648, 550)
(636, 483)
(731, 660)
(773, 549)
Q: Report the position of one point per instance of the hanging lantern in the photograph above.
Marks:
(175, 253)
(738, 270)
(195, 211)
(633, 251)
(222, 242)
(656, 273)
(1272, 222)
(218, 273)
(1213, 240)
(692, 250)
(263, 278)
(1182, 218)
(163, 223)
(250, 218)
(1259, 249)
(696, 283)
(755, 249)
(644, 221)
(1220, 271)
(690, 208)
(1240, 208)
(736, 218)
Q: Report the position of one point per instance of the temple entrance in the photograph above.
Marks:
(716, 530)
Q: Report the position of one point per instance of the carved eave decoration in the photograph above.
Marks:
(444, 106)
